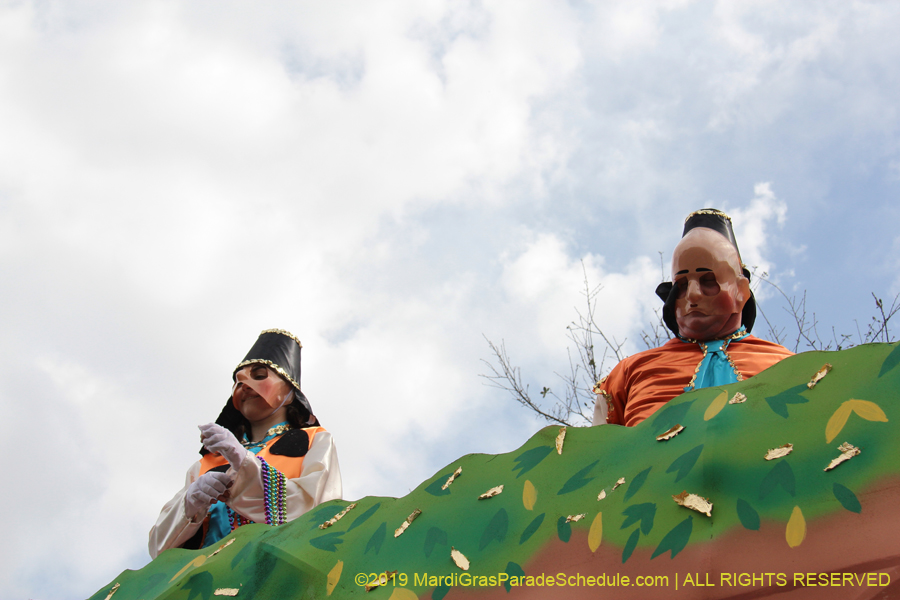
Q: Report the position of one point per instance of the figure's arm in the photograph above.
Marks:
(319, 481)
(174, 526)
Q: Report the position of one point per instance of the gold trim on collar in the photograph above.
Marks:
(284, 333)
(707, 211)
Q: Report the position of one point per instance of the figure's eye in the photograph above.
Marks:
(259, 372)
(708, 284)
(681, 286)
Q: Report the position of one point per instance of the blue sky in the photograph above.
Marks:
(391, 182)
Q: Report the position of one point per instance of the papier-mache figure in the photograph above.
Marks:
(266, 459)
(710, 309)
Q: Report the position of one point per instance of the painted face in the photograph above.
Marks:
(712, 290)
(258, 392)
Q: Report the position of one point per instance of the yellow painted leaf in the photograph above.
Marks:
(796, 528)
(334, 576)
(595, 535)
(716, 405)
(837, 421)
(194, 563)
(868, 410)
(403, 594)
(529, 495)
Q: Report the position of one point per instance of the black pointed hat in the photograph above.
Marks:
(280, 351)
(718, 221)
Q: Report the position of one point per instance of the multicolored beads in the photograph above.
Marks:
(274, 483)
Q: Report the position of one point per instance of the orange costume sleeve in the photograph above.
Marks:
(640, 384)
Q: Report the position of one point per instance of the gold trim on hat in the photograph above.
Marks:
(707, 211)
(271, 365)
(284, 333)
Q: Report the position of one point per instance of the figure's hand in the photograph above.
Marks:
(208, 488)
(218, 439)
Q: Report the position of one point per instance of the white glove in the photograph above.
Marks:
(218, 439)
(208, 488)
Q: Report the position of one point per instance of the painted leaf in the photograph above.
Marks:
(196, 562)
(676, 539)
(748, 515)
(513, 570)
(530, 459)
(781, 474)
(716, 406)
(684, 463)
(328, 542)
(563, 529)
(868, 410)
(595, 535)
(837, 421)
(670, 416)
(630, 545)
(377, 539)
(778, 403)
(200, 584)
(637, 483)
(496, 529)
(578, 480)
(796, 528)
(401, 593)
(532, 527)
(333, 577)
(437, 488)
(892, 360)
(364, 517)
(644, 513)
(434, 536)
(847, 498)
(529, 495)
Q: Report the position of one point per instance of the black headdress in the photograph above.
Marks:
(718, 221)
(280, 351)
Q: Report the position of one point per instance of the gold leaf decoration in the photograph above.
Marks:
(694, 502)
(738, 398)
(560, 438)
(575, 518)
(863, 408)
(337, 517)
(452, 477)
(461, 561)
(779, 452)
(114, 589)
(715, 406)
(825, 370)
(529, 495)
(848, 451)
(796, 528)
(334, 575)
(226, 592)
(494, 491)
(381, 580)
(601, 495)
(618, 483)
(222, 547)
(407, 522)
(670, 433)
(595, 535)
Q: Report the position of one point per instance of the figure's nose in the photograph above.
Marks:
(693, 291)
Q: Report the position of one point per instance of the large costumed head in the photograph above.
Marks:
(709, 296)
(267, 379)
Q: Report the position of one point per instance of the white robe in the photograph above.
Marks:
(319, 481)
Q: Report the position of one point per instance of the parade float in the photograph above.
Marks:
(784, 484)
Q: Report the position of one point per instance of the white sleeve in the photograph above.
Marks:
(173, 527)
(601, 411)
(319, 481)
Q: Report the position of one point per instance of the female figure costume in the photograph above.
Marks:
(288, 472)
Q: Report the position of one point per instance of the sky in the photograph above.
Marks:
(396, 183)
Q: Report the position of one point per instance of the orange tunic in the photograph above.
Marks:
(640, 384)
